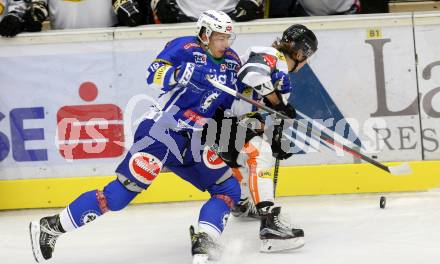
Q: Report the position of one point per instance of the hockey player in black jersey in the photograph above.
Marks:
(265, 72)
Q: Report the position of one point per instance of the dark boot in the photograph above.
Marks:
(203, 247)
(277, 234)
(44, 235)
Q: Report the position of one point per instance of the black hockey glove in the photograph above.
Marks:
(12, 24)
(41, 12)
(247, 10)
(280, 143)
(287, 110)
(166, 10)
(31, 24)
(127, 12)
(255, 123)
(256, 115)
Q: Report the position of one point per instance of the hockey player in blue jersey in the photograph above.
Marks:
(165, 139)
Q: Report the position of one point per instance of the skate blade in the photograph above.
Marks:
(201, 259)
(34, 231)
(275, 245)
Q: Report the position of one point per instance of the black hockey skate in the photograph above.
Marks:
(277, 235)
(245, 208)
(44, 235)
(203, 248)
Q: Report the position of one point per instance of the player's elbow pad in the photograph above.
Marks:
(162, 76)
(264, 89)
(261, 83)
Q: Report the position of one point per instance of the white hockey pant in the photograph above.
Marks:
(256, 172)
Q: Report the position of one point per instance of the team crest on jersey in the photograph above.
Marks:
(222, 67)
(144, 167)
(89, 216)
(211, 159)
(270, 60)
(191, 45)
(207, 101)
(199, 58)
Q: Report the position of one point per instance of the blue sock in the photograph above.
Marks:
(213, 217)
(215, 212)
(90, 205)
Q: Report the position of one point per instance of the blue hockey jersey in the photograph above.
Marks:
(194, 104)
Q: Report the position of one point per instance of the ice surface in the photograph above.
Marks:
(340, 229)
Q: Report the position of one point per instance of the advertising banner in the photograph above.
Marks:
(70, 109)
(428, 55)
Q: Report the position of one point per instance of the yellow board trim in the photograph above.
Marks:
(299, 180)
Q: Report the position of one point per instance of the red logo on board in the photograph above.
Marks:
(90, 131)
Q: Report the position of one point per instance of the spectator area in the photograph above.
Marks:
(377, 6)
(413, 5)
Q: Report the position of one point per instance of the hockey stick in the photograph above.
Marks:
(394, 170)
(277, 162)
(275, 175)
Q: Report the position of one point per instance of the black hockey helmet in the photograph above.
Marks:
(302, 38)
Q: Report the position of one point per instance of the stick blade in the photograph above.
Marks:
(402, 169)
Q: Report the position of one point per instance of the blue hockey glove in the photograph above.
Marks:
(281, 81)
(192, 73)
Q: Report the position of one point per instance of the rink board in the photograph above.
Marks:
(377, 78)
(299, 180)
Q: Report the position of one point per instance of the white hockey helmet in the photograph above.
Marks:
(218, 21)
